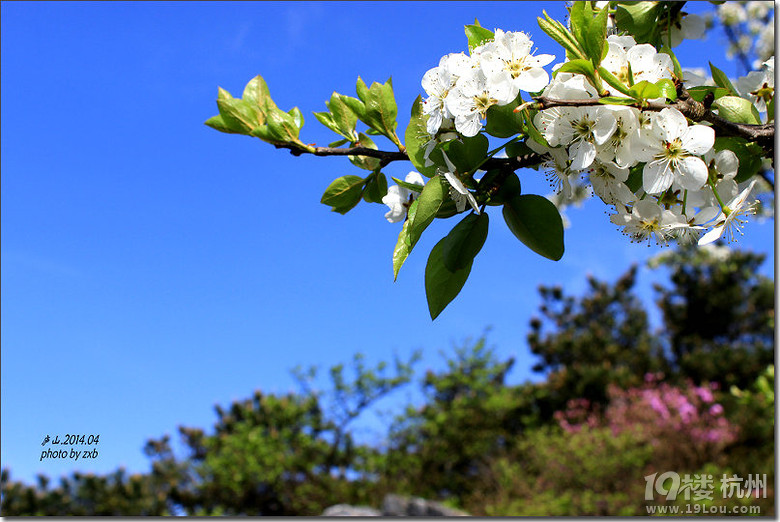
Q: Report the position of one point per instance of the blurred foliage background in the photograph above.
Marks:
(618, 401)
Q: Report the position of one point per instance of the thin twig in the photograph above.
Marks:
(387, 157)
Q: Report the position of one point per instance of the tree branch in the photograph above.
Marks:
(763, 135)
(387, 157)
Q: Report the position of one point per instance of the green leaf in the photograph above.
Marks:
(416, 138)
(478, 35)
(530, 128)
(282, 125)
(721, 80)
(639, 19)
(614, 100)
(464, 241)
(442, 285)
(365, 162)
(667, 88)
(577, 67)
(563, 36)
(502, 186)
(737, 110)
(644, 90)
(749, 155)
(343, 116)
(698, 93)
(503, 121)
(634, 181)
(677, 69)
(411, 186)
(590, 32)
(579, 22)
(379, 109)
(256, 92)
(362, 90)
(517, 148)
(217, 123)
(343, 193)
(447, 209)
(376, 188)
(613, 80)
(770, 110)
(238, 115)
(467, 153)
(355, 105)
(535, 221)
(402, 246)
(297, 117)
(428, 204)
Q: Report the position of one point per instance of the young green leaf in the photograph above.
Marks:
(297, 117)
(344, 117)
(749, 158)
(721, 80)
(639, 19)
(503, 121)
(365, 162)
(478, 35)
(644, 90)
(613, 80)
(343, 193)
(256, 92)
(467, 153)
(464, 241)
(676, 68)
(417, 138)
(698, 93)
(442, 285)
(738, 110)
(217, 123)
(405, 184)
(403, 246)
(535, 221)
(578, 67)
(563, 36)
(239, 116)
(376, 188)
(428, 204)
(667, 88)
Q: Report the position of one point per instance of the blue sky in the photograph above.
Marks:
(153, 267)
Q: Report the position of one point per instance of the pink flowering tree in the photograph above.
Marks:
(685, 425)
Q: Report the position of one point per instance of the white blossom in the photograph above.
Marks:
(609, 183)
(437, 83)
(646, 221)
(730, 220)
(670, 149)
(474, 93)
(510, 53)
(397, 197)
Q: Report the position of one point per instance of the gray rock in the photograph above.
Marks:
(398, 506)
(345, 510)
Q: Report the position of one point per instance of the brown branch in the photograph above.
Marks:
(387, 157)
(764, 135)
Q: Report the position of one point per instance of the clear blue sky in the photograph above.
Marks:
(153, 267)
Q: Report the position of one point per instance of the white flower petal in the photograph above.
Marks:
(692, 173)
(657, 176)
(532, 80)
(582, 153)
(698, 139)
(670, 124)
